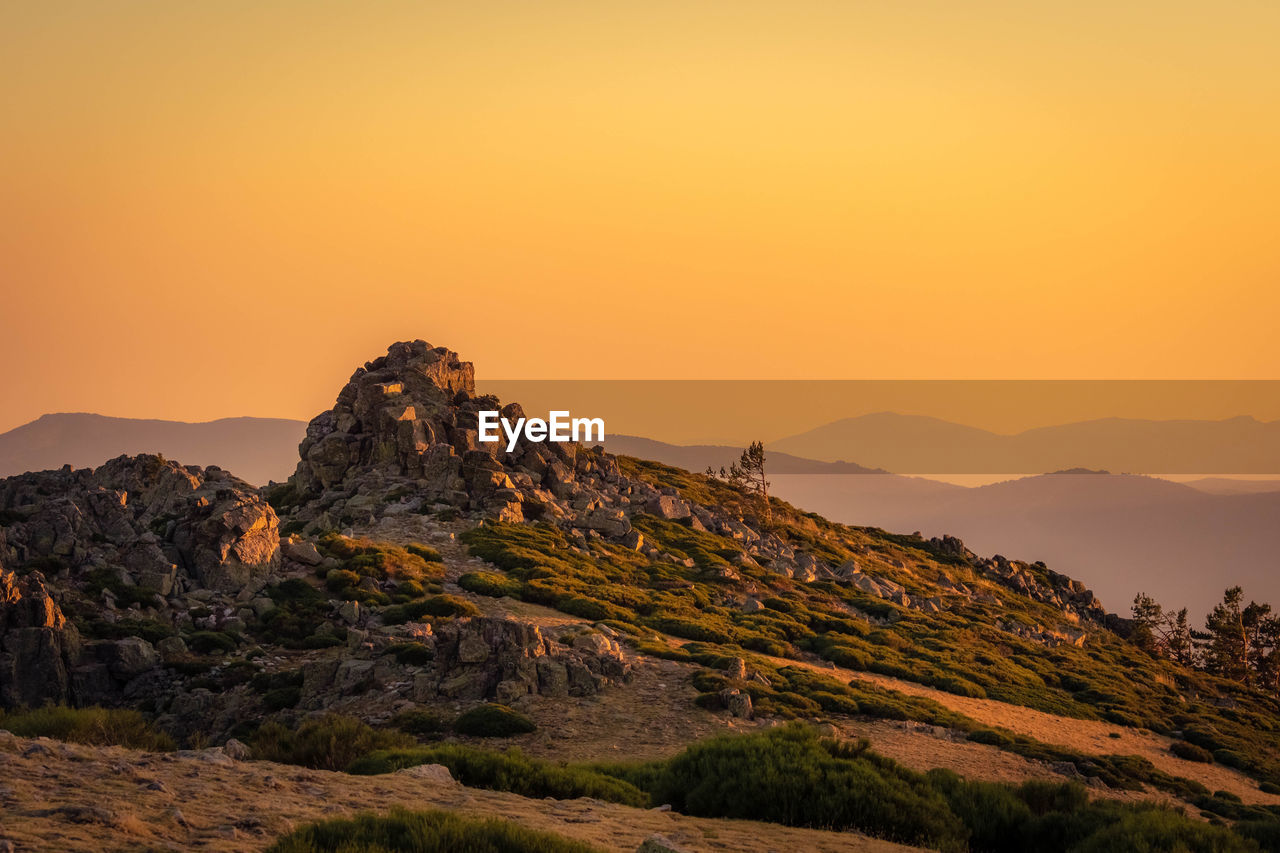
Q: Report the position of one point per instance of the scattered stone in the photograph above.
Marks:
(237, 750)
(660, 844)
(437, 773)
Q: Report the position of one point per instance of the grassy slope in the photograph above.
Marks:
(962, 650)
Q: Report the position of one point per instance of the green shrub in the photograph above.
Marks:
(148, 629)
(791, 776)
(328, 743)
(403, 831)
(493, 720)
(279, 698)
(491, 584)
(1160, 830)
(511, 770)
(1229, 758)
(990, 738)
(412, 654)
(419, 723)
(300, 610)
(338, 580)
(450, 605)
(1191, 752)
(211, 642)
(93, 726)
(382, 561)
(431, 555)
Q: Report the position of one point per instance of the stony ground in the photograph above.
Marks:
(59, 797)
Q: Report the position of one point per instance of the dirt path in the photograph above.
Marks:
(58, 797)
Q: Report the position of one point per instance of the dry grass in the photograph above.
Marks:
(70, 797)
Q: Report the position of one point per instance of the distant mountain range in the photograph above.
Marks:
(913, 444)
(254, 449)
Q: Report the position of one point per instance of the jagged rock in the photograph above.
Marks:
(404, 433)
(736, 702)
(669, 507)
(300, 551)
(160, 525)
(38, 647)
(350, 612)
(611, 522)
(171, 648)
(130, 657)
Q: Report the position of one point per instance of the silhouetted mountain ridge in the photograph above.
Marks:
(255, 449)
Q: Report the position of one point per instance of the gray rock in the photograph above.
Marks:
(436, 773)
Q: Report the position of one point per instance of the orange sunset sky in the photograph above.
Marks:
(213, 209)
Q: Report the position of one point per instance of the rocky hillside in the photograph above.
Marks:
(407, 574)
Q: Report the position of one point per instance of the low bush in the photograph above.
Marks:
(420, 723)
(491, 584)
(511, 770)
(403, 831)
(280, 698)
(1229, 758)
(493, 721)
(431, 555)
(328, 743)
(1191, 752)
(93, 726)
(211, 642)
(148, 629)
(412, 654)
(300, 611)
(450, 605)
(990, 738)
(791, 776)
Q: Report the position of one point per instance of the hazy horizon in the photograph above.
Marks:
(822, 190)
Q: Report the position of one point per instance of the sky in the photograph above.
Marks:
(217, 209)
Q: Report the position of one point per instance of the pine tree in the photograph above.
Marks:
(1235, 636)
(1148, 617)
(1180, 646)
(748, 473)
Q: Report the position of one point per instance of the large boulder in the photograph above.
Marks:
(38, 647)
(155, 524)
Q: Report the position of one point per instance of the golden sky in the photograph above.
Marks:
(212, 209)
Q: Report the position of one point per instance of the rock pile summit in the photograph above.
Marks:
(403, 436)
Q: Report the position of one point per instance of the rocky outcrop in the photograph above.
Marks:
(152, 523)
(403, 436)
(483, 657)
(1041, 584)
(38, 647)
